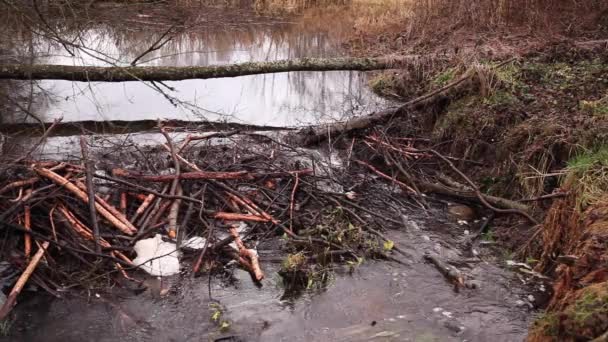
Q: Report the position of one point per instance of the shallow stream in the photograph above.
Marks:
(382, 301)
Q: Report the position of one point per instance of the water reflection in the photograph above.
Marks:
(284, 99)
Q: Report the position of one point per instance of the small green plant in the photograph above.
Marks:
(548, 323)
(217, 313)
(488, 236)
(588, 306)
(444, 77)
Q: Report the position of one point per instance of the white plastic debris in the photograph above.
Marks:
(531, 298)
(462, 222)
(156, 257)
(437, 309)
(447, 314)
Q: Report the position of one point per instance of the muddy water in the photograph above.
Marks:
(377, 301)
(284, 99)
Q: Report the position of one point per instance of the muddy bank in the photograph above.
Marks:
(533, 131)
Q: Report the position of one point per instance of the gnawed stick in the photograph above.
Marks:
(128, 229)
(12, 297)
(250, 254)
(123, 203)
(27, 223)
(104, 203)
(238, 217)
(86, 233)
(19, 184)
(252, 207)
(173, 212)
(142, 207)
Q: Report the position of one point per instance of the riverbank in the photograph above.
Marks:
(532, 128)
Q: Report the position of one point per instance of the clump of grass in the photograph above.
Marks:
(597, 107)
(588, 174)
(548, 324)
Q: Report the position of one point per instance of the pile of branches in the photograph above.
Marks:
(82, 218)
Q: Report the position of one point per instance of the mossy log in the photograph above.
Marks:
(168, 73)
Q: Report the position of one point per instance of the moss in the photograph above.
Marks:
(547, 324)
(587, 317)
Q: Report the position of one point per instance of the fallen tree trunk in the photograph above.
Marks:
(149, 73)
(315, 134)
(498, 202)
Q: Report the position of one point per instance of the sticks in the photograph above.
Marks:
(175, 187)
(128, 229)
(89, 170)
(244, 253)
(480, 195)
(207, 175)
(12, 297)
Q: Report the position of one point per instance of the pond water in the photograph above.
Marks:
(378, 301)
(280, 99)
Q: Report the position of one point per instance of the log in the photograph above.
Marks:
(12, 297)
(165, 73)
(498, 202)
(197, 175)
(448, 271)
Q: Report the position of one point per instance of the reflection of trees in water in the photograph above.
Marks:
(214, 40)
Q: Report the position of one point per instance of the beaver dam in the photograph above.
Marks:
(325, 171)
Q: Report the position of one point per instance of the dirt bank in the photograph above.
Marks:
(533, 129)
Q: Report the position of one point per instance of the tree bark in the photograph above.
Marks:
(166, 73)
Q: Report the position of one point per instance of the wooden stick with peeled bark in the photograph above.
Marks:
(27, 223)
(238, 217)
(246, 253)
(104, 203)
(128, 229)
(86, 233)
(142, 207)
(12, 297)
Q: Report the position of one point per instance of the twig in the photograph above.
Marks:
(292, 202)
(175, 187)
(480, 195)
(89, 171)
